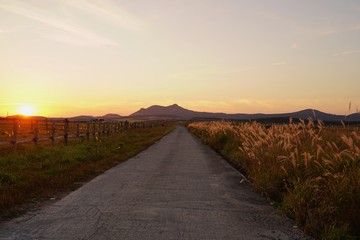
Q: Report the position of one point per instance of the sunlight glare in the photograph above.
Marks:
(26, 110)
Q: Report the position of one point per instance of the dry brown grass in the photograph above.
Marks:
(311, 171)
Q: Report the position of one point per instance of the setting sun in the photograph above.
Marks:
(26, 110)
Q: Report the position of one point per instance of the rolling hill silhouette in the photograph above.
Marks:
(177, 112)
(109, 117)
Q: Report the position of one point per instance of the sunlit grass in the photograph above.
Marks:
(310, 171)
(35, 172)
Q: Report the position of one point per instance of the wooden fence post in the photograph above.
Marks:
(36, 132)
(53, 133)
(77, 130)
(14, 133)
(87, 131)
(46, 125)
(94, 130)
(66, 131)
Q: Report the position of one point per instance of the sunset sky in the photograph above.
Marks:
(92, 57)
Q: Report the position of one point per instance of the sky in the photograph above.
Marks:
(92, 57)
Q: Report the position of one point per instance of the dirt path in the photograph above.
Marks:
(177, 189)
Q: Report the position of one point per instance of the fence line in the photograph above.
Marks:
(21, 130)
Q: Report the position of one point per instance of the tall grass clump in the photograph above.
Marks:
(310, 171)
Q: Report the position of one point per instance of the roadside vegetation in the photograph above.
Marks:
(311, 172)
(32, 173)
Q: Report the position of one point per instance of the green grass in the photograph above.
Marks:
(36, 172)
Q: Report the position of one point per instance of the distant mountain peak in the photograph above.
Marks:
(174, 106)
(173, 110)
(176, 111)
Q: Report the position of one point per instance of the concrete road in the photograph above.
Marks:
(177, 189)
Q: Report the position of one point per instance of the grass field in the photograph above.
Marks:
(36, 172)
(311, 172)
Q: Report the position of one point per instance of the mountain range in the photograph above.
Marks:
(177, 112)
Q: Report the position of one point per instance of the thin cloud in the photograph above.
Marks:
(40, 16)
(79, 40)
(345, 53)
(326, 32)
(308, 30)
(109, 13)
